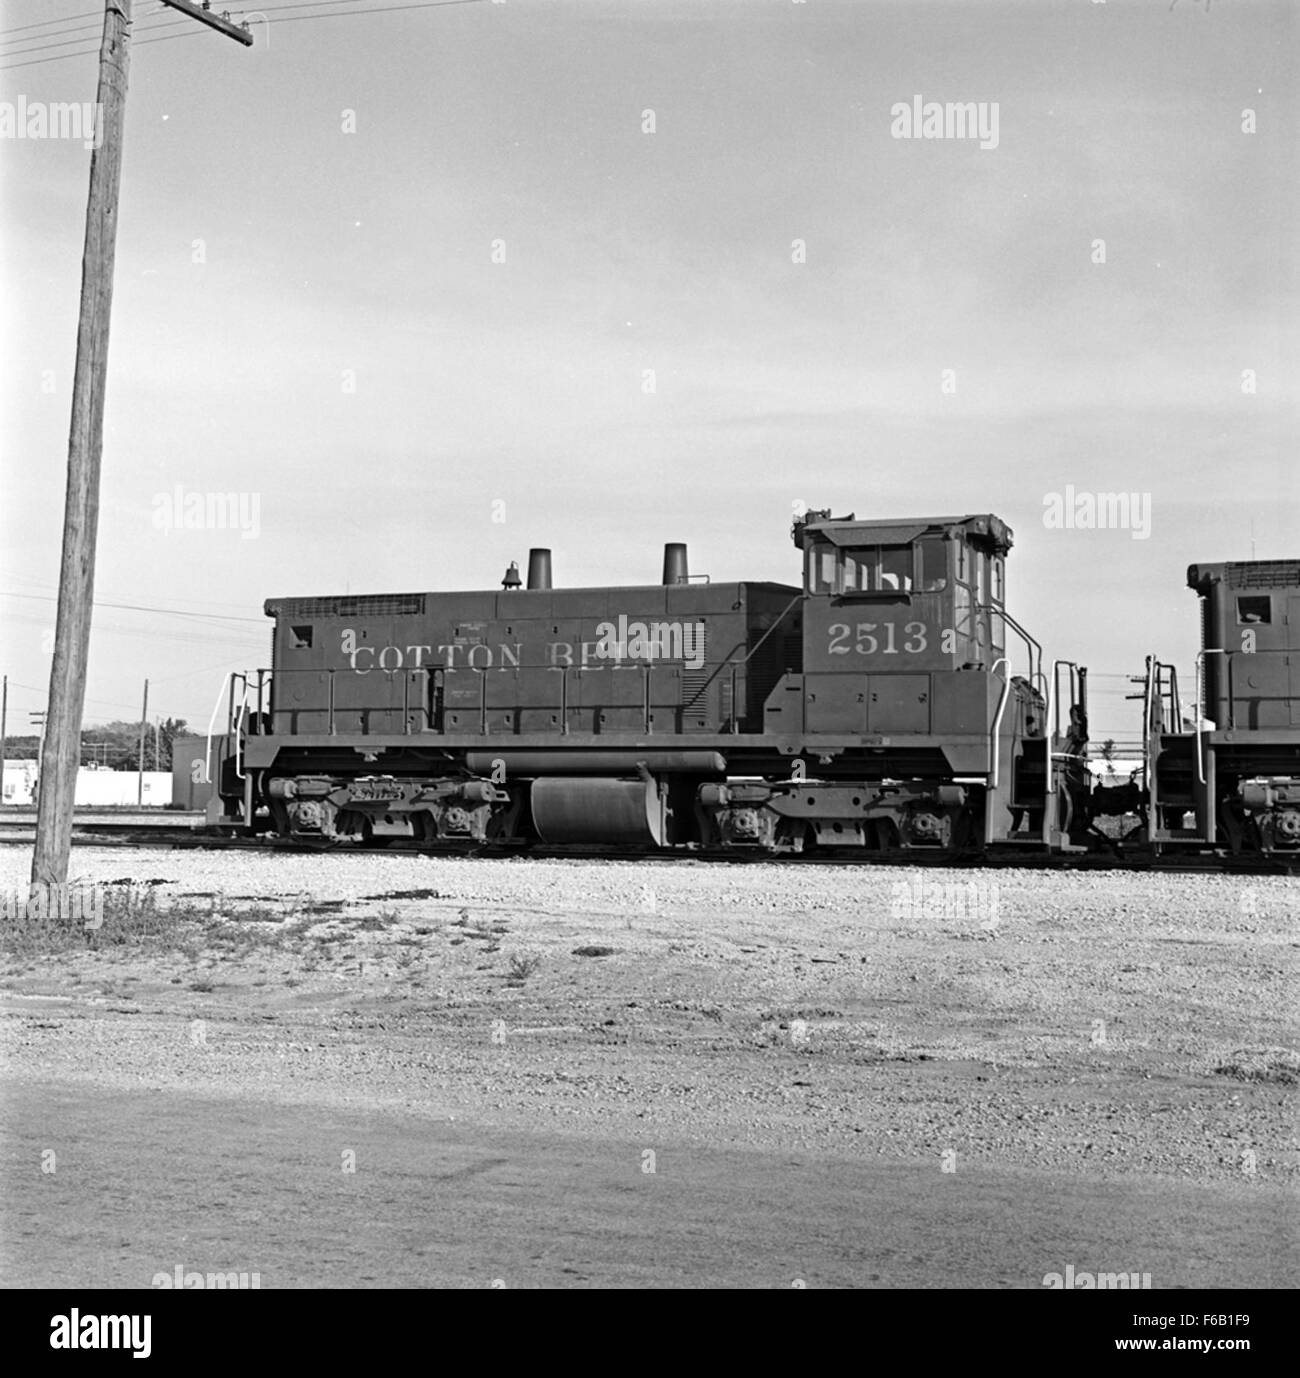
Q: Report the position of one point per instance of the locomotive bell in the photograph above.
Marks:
(511, 579)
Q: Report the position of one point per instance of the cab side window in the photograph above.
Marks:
(1254, 611)
(934, 564)
(822, 569)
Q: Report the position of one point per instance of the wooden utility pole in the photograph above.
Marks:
(4, 735)
(144, 727)
(62, 754)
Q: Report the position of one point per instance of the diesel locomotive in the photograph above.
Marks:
(889, 705)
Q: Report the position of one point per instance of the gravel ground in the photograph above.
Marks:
(1099, 1024)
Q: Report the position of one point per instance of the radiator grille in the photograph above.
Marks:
(364, 605)
(1263, 574)
(695, 683)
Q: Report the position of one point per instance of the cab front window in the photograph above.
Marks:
(860, 569)
(877, 569)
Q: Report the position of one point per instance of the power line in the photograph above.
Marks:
(382, 9)
(72, 42)
(45, 23)
(141, 607)
(36, 61)
(57, 33)
(273, 9)
(83, 52)
(288, 19)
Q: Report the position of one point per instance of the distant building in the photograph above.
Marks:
(1116, 770)
(95, 788)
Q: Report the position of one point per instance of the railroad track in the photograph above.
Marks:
(138, 834)
(19, 826)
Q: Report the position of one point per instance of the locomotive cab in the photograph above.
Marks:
(912, 661)
(935, 588)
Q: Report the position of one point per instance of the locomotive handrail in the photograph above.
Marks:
(781, 616)
(216, 708)
(236, 720)
(1146, 730)
(1035, 674)
(997, 719)
(263, 683)
(1165, 716)
(1175, 704)
(406, 698)
(1053, 728)
(1200, 714)
(1054, 701)
(736, 665)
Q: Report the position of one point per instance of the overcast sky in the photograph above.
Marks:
(311, 310)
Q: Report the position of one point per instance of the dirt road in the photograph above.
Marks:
(147, 1181)
(394, 1071)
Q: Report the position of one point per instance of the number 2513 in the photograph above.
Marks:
(873, 637)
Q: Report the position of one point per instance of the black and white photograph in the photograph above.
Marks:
(650, 644)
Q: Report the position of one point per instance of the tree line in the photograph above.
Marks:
(114, 745)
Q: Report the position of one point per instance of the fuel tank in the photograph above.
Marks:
(598, 810)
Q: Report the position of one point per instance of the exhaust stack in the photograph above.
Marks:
(675, 570)
(539, 568)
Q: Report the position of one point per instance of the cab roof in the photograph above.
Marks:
(981, 529)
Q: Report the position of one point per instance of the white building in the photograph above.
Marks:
(95, 788)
